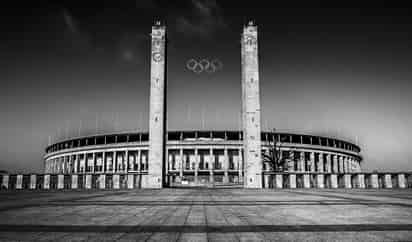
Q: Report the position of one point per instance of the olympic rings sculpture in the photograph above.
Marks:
(204, 65)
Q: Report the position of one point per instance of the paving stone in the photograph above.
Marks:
(207, 215)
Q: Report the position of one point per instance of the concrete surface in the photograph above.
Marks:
(206, 215)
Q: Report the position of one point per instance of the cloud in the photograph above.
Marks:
(70, 22)
(132, 47)
(75, 38)
(204, 20)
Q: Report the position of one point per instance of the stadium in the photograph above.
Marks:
(200, 157)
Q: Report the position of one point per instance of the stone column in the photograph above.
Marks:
(58, 165)
(347, 164)
(328, 163)
(170, 161)
(94, 162)
(85, 162)
(320, 163)
(401, 181)
(341, 168)
(196, 164)
(66, 161)
(167, 168)
(76, 163)
(181, 165)
(301, 166)
(114, 161)
(240, 166)
(251, 107)
(226, 166)
(335, 164)
(388, 181)
(291, 166)
(312, 162)
(62, 164)
(126, 168)
(350, 164)
(139, 160)
(211, 165)
(104, 162)
(157, 108)
(68, 164)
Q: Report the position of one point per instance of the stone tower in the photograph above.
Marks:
(251, 107)
(156, 169)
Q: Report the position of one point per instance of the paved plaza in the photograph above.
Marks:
(206, 215)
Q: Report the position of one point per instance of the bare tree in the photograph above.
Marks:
(274, 157)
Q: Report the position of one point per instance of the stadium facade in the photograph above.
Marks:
(201, 157)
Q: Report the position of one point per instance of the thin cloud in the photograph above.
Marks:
(70, 22)
(204, 20)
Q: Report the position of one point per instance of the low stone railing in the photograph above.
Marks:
(270, 180)
(336, 180)
(72, 181)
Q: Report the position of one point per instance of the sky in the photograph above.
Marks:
(70, 69)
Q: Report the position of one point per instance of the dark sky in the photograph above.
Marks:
(67, 69)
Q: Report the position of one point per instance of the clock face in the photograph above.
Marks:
(157, 57)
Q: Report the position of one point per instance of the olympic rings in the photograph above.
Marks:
(204, 65)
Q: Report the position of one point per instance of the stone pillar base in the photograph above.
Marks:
(46, 182)
(102, 181)
(306, 181)
(116, 181)
(320, 181)
(75, 181)
(401, 181)
(152, 182)
(33, 181)
(130, 181)
(19, 182)
(374, 181)
(334, 181)
(88, 184)
(361, 181)
(60, 181)
(347, 179)
(292, 181)
(388, 181)
(279, 181)
(5, 182)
